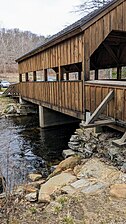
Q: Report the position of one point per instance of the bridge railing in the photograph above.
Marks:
(65, 94)
(97, 91)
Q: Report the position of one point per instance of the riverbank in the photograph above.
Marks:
(79, 191)
(4, 101)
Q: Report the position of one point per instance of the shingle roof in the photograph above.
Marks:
(78, 24)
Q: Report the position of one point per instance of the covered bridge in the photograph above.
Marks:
(97, 41)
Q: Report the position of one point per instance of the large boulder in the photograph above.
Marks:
(54, 184)
(66, 164)
(99, 171)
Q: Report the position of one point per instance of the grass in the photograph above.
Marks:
(2, 89)
(62, 200)
(68, 220)
(33, 210)
(57, 209)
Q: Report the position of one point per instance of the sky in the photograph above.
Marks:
(43, 17)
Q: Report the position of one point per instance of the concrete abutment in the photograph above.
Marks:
(49, 117)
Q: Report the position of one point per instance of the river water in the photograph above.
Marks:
(26, 148)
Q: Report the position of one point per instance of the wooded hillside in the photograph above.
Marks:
(13, 44)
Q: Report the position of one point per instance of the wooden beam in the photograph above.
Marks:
(96, 74)
(57, 76)
(34, 76)
(101, 107)
(119, 72)
(61, 73)
(45, 75)
(20, 77)
(79, 75)
(67, 76)
(111, 53)
(26, 77)
(98, 123)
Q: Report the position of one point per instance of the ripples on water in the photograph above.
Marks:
(25, 148)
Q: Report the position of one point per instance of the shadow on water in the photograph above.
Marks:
(25, 148)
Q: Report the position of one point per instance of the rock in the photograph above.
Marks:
(34, 176)
(19, 190)
(88, 186)
(113, 152)
(10, 109)
(73, 143)
(68, 163)
(77, 169)
(72, 146)
(87, 153)
(67, 153)
(54, 184)
(30, 189)
(94, 188)
(52, 168)
(32, 197)
(91, 147)
(99, 171)
(2, 184)
(118, 191)
(33, 185)
(80, 183)
(123, 168)
(74, 138)
(68, 190)
(44, 198)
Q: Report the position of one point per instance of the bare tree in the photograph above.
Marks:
(13, 44)
(90, 5)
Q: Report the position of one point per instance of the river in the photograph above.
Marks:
(26, 148)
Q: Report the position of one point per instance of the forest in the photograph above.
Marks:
(15, 43)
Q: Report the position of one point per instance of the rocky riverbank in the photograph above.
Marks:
(87, 143)
(78, 191)
(11, 107)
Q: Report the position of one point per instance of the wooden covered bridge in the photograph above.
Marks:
(95, 42)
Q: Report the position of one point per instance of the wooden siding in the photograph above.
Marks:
(116, 108)
(67, 52)
(66, 95)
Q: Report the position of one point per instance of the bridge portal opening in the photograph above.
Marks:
(111, 54)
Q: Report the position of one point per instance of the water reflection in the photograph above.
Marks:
(24, 147)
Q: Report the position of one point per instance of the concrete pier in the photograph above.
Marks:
(48, 118)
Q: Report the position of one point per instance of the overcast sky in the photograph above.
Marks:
(45, 17)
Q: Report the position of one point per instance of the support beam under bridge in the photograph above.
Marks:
(48, 118)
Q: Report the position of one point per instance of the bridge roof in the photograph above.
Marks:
(73, 29)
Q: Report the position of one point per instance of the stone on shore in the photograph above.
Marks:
(32, 197)
(98, 170)
(34, 176)
(67, 153)
(10, 109)
(118, 191)
(54, 184)
(66, 164)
